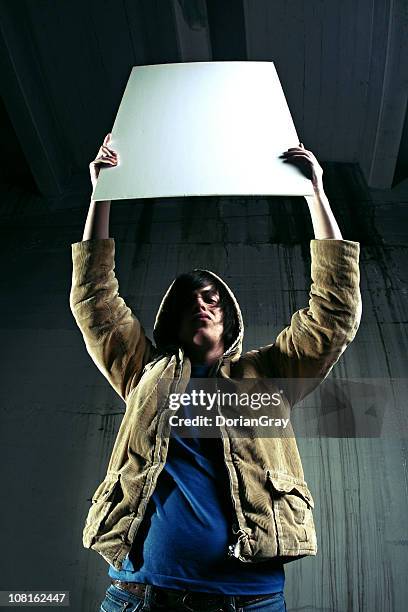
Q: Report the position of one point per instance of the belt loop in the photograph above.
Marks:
(149, 598)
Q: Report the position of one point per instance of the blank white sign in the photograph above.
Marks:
(202, 128)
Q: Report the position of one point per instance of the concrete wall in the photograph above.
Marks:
(59, 416)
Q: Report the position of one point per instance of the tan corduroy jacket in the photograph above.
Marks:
(271, 500)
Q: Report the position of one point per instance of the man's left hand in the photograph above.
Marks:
(307, 163)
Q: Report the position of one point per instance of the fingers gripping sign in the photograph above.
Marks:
(106, 157)
(306, 162)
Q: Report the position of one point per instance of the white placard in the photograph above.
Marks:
(202, 128)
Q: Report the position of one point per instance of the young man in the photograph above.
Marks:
(189, 523)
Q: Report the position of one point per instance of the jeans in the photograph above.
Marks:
(119, 600)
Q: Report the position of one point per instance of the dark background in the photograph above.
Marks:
(64, 66)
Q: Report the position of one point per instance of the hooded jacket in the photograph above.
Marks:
(271, 500)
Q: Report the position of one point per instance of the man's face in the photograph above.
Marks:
(201, 322)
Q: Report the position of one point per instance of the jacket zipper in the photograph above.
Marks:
(159, 467)
(233, 549)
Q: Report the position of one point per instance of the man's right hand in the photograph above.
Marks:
(106, 157)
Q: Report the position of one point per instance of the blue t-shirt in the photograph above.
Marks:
(182, 542)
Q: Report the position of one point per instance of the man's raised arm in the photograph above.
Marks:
(317, 336)
(113, 336)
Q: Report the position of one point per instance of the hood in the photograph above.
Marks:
(233, 352)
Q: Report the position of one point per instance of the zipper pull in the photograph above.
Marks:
(234, 550)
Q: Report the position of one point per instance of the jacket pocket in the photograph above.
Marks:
(102, 501)
(292, 505)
